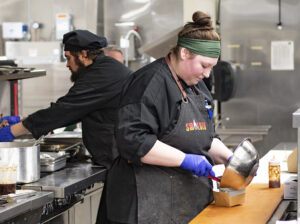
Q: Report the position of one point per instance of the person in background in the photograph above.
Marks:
(166, 137)
(92, 100)
(114, 52)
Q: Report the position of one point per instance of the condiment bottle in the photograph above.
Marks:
(274, 173)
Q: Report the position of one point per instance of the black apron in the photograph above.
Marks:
(173, 195)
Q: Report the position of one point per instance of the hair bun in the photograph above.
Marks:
(202, 19)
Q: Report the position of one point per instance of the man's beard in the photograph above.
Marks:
(76, 75)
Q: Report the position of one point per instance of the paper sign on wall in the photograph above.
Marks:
(282, 55)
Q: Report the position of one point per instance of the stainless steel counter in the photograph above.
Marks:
(74, 178)
(77, 179)
(25, 205)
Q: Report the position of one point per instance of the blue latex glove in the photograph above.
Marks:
(6, 135)
(198, 164)
(11, 119)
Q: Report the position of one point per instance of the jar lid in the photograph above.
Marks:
(274, 161)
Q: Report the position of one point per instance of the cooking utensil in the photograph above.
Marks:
(26, 156)
(52, 147)
(39, 141)
(242, 166)
(214, 178)
(60, 147)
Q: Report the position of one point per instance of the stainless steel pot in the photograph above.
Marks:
(25, 156)
(242, 167)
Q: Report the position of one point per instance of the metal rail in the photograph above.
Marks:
(296, 124)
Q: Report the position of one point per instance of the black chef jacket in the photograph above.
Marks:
(150, 107)
(93, 100)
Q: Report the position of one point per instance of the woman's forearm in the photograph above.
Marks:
(219, 152)
(162, 154)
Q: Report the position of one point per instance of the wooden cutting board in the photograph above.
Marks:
(261, 202)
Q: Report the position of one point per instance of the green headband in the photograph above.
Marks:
(208, 48)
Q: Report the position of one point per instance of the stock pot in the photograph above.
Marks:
(26, 156)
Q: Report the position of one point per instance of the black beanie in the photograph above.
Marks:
(78, 40)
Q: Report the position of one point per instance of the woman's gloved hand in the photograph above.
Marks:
(6, 135)
(11, 119)
(198, 164)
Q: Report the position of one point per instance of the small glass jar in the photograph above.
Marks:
(8, 179)
(274, 173)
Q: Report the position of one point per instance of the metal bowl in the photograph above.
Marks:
(242, 166)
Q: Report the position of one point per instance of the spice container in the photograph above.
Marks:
(274, 173)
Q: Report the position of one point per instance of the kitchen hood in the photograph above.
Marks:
(161, 46)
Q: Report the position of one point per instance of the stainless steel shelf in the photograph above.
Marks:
(233, 135)
(23, 75)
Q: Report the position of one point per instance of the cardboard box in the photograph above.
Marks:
(290, 188)
(227, 197)
(292, 161)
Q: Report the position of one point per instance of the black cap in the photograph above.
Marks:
(78, 40)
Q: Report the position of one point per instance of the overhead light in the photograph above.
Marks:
(125, 24)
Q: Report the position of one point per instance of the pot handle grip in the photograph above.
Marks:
(214, 178)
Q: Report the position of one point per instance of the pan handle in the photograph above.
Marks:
(39, 141)
(214, 178)
(71, 146)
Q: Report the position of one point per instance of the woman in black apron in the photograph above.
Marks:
(166, 137)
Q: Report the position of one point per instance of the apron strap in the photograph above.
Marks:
(176, 78)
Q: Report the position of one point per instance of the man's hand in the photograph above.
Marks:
(6, 135)
(198, 164)
(11, 119)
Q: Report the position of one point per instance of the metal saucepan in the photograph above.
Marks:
(242, 167)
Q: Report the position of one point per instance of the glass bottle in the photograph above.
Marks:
(274, 173)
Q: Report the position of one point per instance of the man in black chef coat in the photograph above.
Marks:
(93, 99)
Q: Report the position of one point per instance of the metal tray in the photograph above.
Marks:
(52, 161)
(54, 166)
(67, 137)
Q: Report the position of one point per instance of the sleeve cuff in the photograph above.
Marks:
(143, 150)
